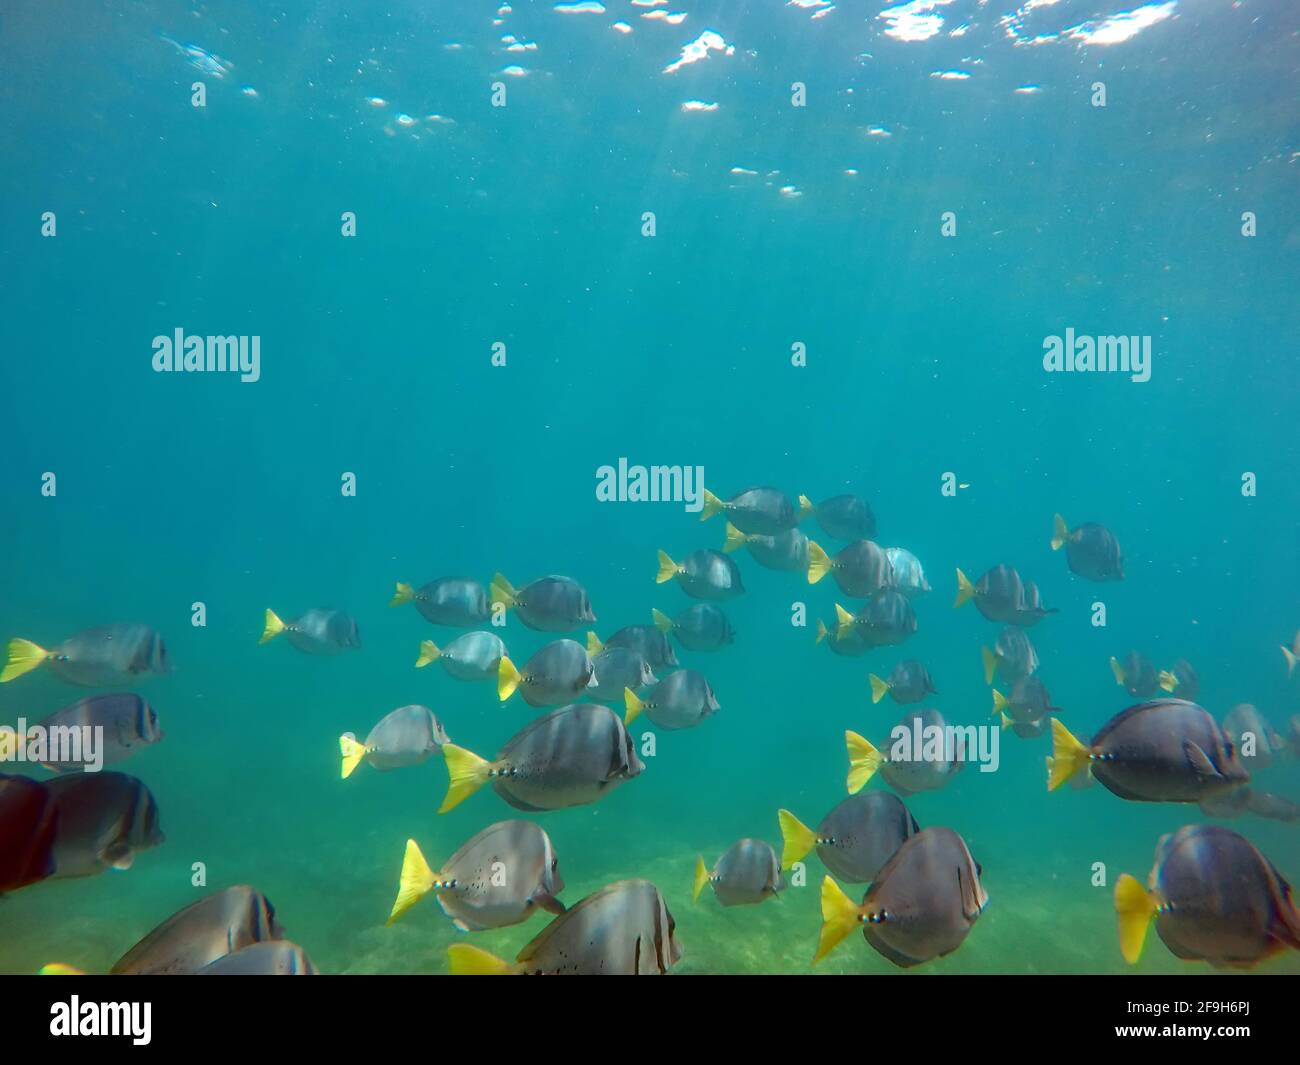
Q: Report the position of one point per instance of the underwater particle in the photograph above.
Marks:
(698, 105)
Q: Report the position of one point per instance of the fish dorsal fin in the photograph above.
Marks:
(1199, 761)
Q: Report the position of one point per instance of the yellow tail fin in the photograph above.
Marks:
(274, 626)
(1006, 724)
(502, 591)
(1286, 651)
(844, 621)
(594, 646)
(999, 703)
(466, 960)
(864, 760)
(806, 507)
(735, 539)
(1134, 906)
(701, 878)
(1118, 670)
(58, 968)
(990, 664)
(1167, 680)
(797, 837)
(417, 880)
(352, 752)
(712, 504)
(507, 678)
(819, 562)
(965, 590)
(24, 656)
(404, 594)
(840, 915)
(822, 630)
(429, 652)
(667, 568)
(466, 773)
(878, 688)
(634, 706)
(1068, 756)
(662, 621)
(1060, 532)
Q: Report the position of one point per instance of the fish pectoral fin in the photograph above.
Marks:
(1200, 761)
(548, 902)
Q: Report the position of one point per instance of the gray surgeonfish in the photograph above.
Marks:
(457, 602)
(847, 642)
(885, 620)
(650, 640)
(1181, 681)
(843, 517)
(1032, 610)
(785, 552)
(278, 958)
(105, 657)
(1091, 550)
(474, 656)
(854, 840)
(624, 929)
(1258, 743)
(1213, 896)
(217, 925)
(908, 574)
(618, 668)
(703, 574)
(500, 876)
(1027, 704)
(569, 757)
(28, 826)
(681, 700)
(558, 673)
(548, 604)
(1167, 750)
(763, 511)
(1136, 675)
(317, 632)
(924, 754)
(1013, 656)
(124, 724)
(746, 873)
(861, 569)
(908, 682)
(701, 627)
(920, 906)
(105, 820)
(403, 737)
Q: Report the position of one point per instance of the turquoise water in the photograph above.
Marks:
(523, 225)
